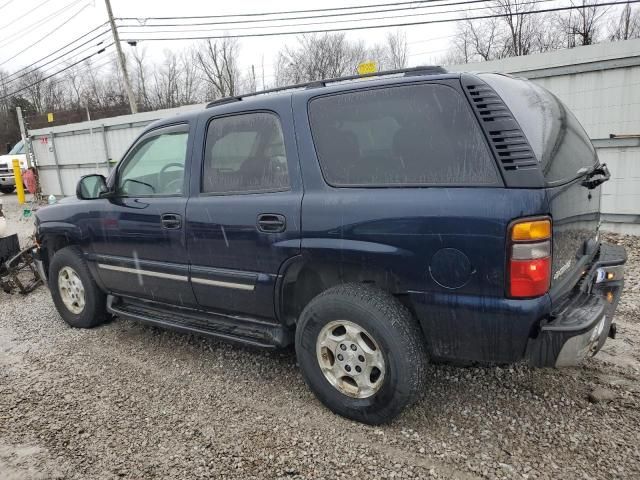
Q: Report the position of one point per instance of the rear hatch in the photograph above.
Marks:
(571, 172)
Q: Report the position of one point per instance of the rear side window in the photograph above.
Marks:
(555, 135)
(404, 135)
(245, 153)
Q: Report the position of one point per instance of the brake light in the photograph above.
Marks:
(529, 265)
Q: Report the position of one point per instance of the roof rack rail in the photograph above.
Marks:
(413, 71)
(223, 100)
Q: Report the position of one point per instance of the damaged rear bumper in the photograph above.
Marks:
(583, 324)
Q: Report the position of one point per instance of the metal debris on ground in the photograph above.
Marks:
(17, 267)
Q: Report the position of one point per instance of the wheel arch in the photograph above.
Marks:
(302, 279)
(52, 238)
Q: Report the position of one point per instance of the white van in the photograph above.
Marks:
(7, 180)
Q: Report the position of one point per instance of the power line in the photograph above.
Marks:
(62, 48)
(229, 22)
(532, 2)
(5, 4)
(254, 14)
(40, 67)
(85, 68)
(44, 37)
(370, 27)
(24, 14)
(56, 73)
(27, 29)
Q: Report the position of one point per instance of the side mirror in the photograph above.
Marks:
(91, 187)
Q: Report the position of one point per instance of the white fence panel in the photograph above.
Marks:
(67, 152)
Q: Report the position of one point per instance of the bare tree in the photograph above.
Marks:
(318, 56)
(140, 78)
(581, 26)
(478, 41)
(32, 88)
(519, 30)
(251, 83)
(461, 48)
(486, 39)
(217, 60)
(548, 37)
(95, 87)
(75, 83)
(520, 25)
(378, 53)
(627, 26)
(190, 82)
(165, 85)
(396, 50)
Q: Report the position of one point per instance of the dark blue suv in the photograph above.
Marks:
(374, 223)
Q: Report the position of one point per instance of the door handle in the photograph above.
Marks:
(171, 221)
(271, 223)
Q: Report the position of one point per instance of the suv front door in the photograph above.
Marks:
(140, 250)
(243, 217)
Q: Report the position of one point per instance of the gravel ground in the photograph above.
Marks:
(130, 401)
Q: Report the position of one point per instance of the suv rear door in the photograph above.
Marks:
(243, 217)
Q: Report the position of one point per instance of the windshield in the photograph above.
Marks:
(18, 149)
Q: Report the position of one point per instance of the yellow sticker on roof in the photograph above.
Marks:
(367, 67)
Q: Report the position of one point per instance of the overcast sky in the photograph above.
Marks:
(427, 43)
(23, 22)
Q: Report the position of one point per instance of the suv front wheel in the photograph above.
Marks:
(361, 352)
(78, 299)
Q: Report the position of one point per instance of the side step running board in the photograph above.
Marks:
(227, 327)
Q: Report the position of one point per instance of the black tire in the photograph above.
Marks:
(392, 327)
(94, 312)
(7, 190)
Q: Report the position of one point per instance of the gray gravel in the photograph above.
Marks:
(129, 401)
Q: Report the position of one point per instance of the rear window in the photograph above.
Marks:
(403, 135)
(558, 140)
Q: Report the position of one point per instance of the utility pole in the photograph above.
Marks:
(121, 60)
(23, 134)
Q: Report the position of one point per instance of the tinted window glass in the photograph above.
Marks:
(155, 167)
(411, 135)
(555, 135)
(245, 153)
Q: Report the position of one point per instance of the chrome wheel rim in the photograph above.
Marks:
(350, 359)
(71, 290)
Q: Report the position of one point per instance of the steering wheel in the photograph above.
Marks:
(176, 180)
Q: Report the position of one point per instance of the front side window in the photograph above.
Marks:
(245, 153)
(403, 135)
(155, 167)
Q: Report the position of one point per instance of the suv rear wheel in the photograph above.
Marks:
(361, 352)
(7, 189)
(77, 297)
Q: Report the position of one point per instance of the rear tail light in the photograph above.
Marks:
(529, 264)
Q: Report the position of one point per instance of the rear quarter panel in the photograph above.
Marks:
(403, 230)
